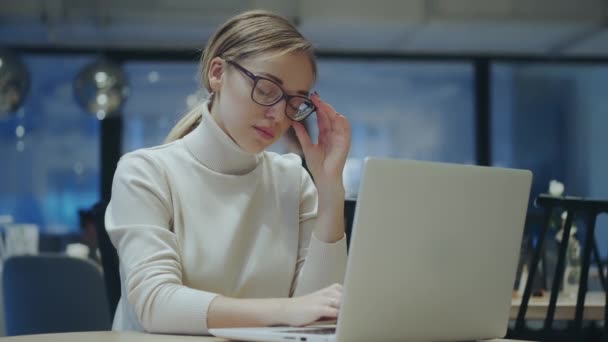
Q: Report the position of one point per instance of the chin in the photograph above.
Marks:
(257, 145)
(255, 150)
(254, 147)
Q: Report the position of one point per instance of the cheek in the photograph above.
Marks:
(235, 121)
(284, 126)
(239, 118)
(239, 91)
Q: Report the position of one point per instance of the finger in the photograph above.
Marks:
(323, 110)
(324, 127)
(337, 301)
(323, 106)
(332, 302)
(341, 124)
(333, 288)
(329, 312)
(302, 135)
(333, 291)
(338, 296)
(300, 325)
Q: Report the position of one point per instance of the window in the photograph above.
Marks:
(159, 95)
(552, 119)
(401, 109)
(50, 149)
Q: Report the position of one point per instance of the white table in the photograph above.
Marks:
(565, 307)
(109, 336)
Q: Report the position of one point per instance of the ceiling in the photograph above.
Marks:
(528, 27)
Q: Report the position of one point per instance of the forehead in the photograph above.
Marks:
(294, 70)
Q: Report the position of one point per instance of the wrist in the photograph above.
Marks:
(331, 184)
(277, 312)
(331, 193)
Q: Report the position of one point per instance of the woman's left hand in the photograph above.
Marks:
(327, 157)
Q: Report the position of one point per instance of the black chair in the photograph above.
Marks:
(576, 208)
(52, 294)
(109, 257)
(349, 217)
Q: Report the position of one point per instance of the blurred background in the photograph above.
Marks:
(509, 83)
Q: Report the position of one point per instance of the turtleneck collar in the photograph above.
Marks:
(216, 150)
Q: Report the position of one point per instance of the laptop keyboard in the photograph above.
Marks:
(319, 331)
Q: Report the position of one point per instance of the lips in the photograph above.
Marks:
(264, 132)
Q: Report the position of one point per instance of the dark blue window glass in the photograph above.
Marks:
(50, 149)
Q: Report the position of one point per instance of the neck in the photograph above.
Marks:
(216, 150)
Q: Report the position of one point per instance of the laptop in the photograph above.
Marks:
(432, 256)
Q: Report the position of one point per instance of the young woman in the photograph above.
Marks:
(211, 231)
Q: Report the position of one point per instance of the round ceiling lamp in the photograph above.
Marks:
(101, 88)
(14, 83)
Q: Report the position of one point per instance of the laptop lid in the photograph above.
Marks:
(434, 251)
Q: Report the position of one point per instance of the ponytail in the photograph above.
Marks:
(186, 124)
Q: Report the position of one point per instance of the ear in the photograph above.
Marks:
(216, 71)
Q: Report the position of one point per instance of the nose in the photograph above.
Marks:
(276, 112)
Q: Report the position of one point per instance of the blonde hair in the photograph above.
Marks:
(243, 36)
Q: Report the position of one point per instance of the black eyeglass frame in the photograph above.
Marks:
(255, 78)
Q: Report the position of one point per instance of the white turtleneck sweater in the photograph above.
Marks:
(200, 217)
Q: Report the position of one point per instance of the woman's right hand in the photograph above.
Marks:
(307, 309)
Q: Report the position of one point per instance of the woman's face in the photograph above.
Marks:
(253, 126)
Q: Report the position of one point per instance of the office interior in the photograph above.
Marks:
(503, 83)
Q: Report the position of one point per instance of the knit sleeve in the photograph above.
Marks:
(138, 221)
(319, 264)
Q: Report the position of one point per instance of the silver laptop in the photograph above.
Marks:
(432, 257)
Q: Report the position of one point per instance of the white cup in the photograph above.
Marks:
(77, 250)
(4, 220)
(20, 239)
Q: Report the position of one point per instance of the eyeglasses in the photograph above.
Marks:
(267, 92)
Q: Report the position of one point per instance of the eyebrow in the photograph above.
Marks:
(280, 81)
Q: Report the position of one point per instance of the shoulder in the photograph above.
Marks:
(289, 162)
(150, 160)
(290, 167)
